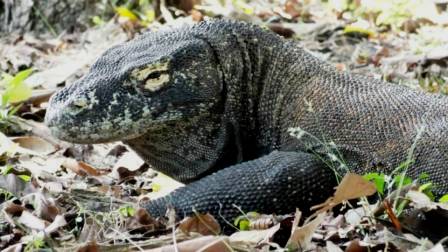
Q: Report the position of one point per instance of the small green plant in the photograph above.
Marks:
(36, 244)
(13, 90)
(444, 199)
(127, 211)
(5, 195)
(333, 157)
(243, 221)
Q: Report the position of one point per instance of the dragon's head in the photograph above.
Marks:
(158, 78)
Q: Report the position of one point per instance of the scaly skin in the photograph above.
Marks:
(199, 103)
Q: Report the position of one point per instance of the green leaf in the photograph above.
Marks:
(127, 13)
(25, 178)
(150, 16)
(244, 225)
(247, 9)
(423, 176)
(406, 180)
(97, 20)
(424, 187)
(20, 77)
(378, 179)
(444, 199)
(127, 211)
(15, 88)
(427, 189)
(403, 166)
(400, 208)
(238, 219)
(6, 170)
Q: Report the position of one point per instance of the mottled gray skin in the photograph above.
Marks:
(220, 120)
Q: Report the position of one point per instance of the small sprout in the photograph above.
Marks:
(155, 187)
(127, 211)
(15, 89)
(126, 13)
(427, 189)
(378, 179)
(242, 5)
(36, 244)
(244, 225)
(444, 199)
(398, 178)
(423, 176)
(25, 178)
(243, 222)
(98, 21)
(5, 194)
(150, 16)
(5, 170)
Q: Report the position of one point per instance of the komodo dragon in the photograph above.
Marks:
(211, 105)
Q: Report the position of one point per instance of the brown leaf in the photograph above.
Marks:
(14, 209)
(143, 217)
(201, 244)
(81, 168)
(204, 224)
(196, 15)
(301, 236)
(293, 8)
(29, 220)
(254, 237)
(58, 222)
(331, 247)
(36, 144)
(345, 191)
(354, 246)
(89, 169)
(89, 247)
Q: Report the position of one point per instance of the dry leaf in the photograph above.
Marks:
(81, 168)
(14, 209)
(204, 224)
(301, 236)
(331, 247)
(254, 237)
(11, 148)
(58, 222)
(89, 247)
(202, 244)
(437, 248)
(36, 144)
(345, 191)
(420, 200)
(31, 221)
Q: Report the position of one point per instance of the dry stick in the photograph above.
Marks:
(127, 239)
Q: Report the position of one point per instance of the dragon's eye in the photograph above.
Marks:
(152, 77)
(156, 80)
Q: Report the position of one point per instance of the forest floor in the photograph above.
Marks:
(60, 196)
